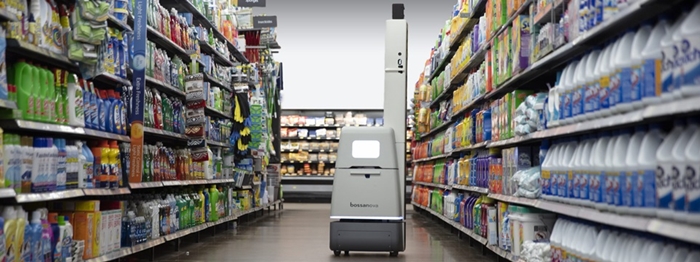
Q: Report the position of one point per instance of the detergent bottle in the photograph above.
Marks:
(689, 84)
(74, 105)
(668, 48)
(620, 90)
(633, 91)
(22, 76)
(665, 171)
(678, 177)
(631, 173)
(652, 67)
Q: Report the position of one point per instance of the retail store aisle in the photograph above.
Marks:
(300, 233)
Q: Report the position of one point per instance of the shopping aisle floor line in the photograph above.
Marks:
(300, 233)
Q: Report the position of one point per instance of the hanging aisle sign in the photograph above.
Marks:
(137, 100)
(265, 21)
(252, 3)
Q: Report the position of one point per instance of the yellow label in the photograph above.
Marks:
(546, 174)
(657, 76)
(571, 175)
(605, 82)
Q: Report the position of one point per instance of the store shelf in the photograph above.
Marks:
(311, 138)
(216, 82)
(437, 129)
(672, 229)
(218, 56)
(115, 23)
(199, 18)
(441, 66)
(483, 241)
(6, 16)
(636, 13)
(471, 189)
(466, 28)
(648, 114)
(550, 13)
(210, 111)
(37, 54)
(165, 87)
(308, 151)
(164, 133)
(24, 125)
(49, 196)
(432, 158)
(165, 43)
(476, 59)
(217, 143)
(431, 185)
(7, 104)
(469, 148)
(143, 185)
(308, 126)
(111, 79)
(308, 178)
(309, 162)
(106, 191)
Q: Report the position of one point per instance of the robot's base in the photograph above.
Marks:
(369, 236)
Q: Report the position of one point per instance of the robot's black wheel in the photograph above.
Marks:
(347, 253)
(336, 253)
(394, 253)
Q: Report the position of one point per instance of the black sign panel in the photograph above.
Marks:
(265, 21)
(252, 3)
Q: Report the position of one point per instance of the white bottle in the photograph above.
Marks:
(623, 72)
(608, 171)
(622, 247)
(52, 152)
(596, 186)
(668, 48)
(680, 255)
(665, 160)
(636, 62)
(652, 252)
(584, 171)
(679, 168)
(588, 243)
(644, 189)
(600, 242)
(567, 88)
(574, 180)
(619, 166)
(592, 100)
(690, 86)
(611, 244)
(579, 87)
(571, 169)
(693, 256)
(635, 248)
(547, 172)
(588, 85)
(82, 160)
(630, 174)
(76, 115)
(667, 253)
(608, 73)
(563, 166)
(567, 238)
(556, 238)
(652, 59)
(692, 194)
(556, 99)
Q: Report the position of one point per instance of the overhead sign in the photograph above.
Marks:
(252, 3)
(265, 21)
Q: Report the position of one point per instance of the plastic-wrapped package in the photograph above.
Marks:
(536, 252)
(528, 182)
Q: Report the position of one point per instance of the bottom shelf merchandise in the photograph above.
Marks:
(527, 234)
(104, 230)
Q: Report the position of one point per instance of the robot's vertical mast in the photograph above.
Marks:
(395, 72)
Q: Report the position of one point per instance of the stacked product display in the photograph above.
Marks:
(131, 109)
(562, 130)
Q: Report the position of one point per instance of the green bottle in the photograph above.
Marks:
(22, 74)
(51, 97)
(214, 200)
(38, 78)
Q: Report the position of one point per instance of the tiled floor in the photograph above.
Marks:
(300, 233)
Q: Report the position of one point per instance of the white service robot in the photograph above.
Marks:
(369, 184)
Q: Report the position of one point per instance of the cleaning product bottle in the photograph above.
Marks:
(59, 235)
(692, 204)
(114, 173)
(37, 178)
(567, 87)
(597, 186)
(652, 59)
(678, 177)
(95, 105)
(609, 173)
(52, 169)
(60, 85)
(665, 171)
(584, 88)
(36, 230)
(619, 166)
(110, 110)
(620, 83)
(214, 200)
(87, 167)
(668, 49)
(9, 215)
(207, 206)
(23, 181)
(633, 91)
(61, 169)
(592, 101)
(75, 111)
(584, 171)
(67, 239)
(22, 74)
(49, 109)
(631, 173)
(606, 81)
(689, 85)
(22, 253)
(46, 236)
(101, 153)
(39, 79)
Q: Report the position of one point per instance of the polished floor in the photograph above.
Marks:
(300, 233)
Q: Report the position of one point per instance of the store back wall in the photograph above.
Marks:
(333, 50)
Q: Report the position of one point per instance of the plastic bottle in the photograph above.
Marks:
(600, 242)
(668, 49)
(49, 106)
(631, 173)
(689, 84)
(61, 170)
(115, 173)
(592, 100)
(9, 214)
(619, 166)
(90, 166)
(620, 91)
(59, 235)
(587, 86)
(35, 228)
(665, 170)
(101, 166)
(571, 172)
(634, 93)
(693, 256)
(23, 81)
(567, 89)
(678, 177)
(76, 115)
(52, 169)
(46, 236)
(584, 169)
(22, 253)
(692, 157)
(607, 75)
(604, 165)
(652, 67)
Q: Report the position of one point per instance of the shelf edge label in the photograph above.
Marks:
(266, 21)
(252, 3)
